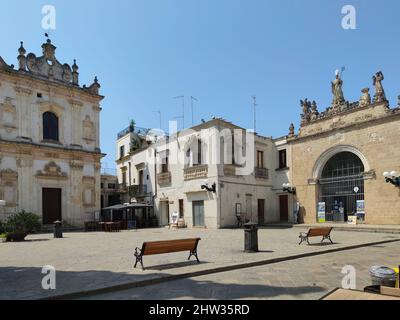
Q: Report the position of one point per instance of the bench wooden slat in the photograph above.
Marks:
(161, 247)
(169, 246)
(325, 233)
(319, 232)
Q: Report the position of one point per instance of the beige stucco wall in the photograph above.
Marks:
(373, 134)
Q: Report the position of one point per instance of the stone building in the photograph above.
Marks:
(109, 190)
(203, 179)
(339, 157)
(49, 139)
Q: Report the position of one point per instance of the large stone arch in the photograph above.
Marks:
(328, 154)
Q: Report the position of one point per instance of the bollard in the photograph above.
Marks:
(58, 230)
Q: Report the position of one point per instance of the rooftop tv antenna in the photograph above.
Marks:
(193, 99)
(159, 113)
(183, 109)
(255, 113)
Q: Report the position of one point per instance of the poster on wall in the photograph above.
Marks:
(360, 206)
(321, 211)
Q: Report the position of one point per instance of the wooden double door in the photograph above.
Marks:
(51, 205)
(284, 208)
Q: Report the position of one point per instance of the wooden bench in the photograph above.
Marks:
(162, 247)
(325, 233)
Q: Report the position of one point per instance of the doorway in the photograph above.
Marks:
(51, 205)
(181, 209)
(198, 214)
(284, 208)
(341, 187)
(165, 219)
(261, 211)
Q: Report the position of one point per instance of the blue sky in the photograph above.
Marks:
(220, 51)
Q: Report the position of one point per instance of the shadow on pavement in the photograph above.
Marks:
(175, 265)
(19, 283)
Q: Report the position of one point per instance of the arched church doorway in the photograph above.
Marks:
(341, 188)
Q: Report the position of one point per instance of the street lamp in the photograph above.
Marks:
(212, 188)
(288, 188)
(392, 177)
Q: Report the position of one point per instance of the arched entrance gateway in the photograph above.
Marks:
(341, 188)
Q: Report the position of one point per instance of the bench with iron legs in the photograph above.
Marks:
(170, 246)
(325, 233)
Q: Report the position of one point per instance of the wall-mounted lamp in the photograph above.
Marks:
(288, 188)
(392, 177)
(212, 189)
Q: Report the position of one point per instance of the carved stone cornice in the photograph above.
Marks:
(76, 165)
(88, 180)
(75, 103)
(23, 91)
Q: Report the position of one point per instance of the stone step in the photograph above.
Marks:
(392, 229)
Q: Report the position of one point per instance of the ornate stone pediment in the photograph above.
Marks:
(51, 170)
(47, 65)
(4, 65)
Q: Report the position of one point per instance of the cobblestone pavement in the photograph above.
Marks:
(88, 261)
(306, 278)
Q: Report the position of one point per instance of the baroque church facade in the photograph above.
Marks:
(49, 139)
(345, 158)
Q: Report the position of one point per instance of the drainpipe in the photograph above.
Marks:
(220, 204)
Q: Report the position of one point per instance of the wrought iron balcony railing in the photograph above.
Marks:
(137, 191)
(261, 173)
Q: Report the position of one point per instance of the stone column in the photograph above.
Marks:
(24, 112)
(76, 210)
(97, 109)
(76, 123)
(26, 178)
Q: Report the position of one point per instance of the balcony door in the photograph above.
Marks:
(141, 178)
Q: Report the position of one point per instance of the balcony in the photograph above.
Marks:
(230, 169)
(138, 191)
(122, 188)
(196, 172)
(164, 178)
(261, 173)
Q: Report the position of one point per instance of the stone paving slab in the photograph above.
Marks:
(91, 261)
(304, 279)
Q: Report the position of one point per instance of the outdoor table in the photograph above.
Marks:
(112, 226)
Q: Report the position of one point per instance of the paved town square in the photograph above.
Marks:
(199, 150)
(92, 261)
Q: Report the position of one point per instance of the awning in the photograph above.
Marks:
(128, 206)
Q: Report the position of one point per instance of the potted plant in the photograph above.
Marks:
(18, 226)
(3, 237)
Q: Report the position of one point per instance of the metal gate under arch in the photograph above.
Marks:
(341, 187)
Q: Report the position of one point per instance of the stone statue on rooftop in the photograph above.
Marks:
(379, 91)
(365, 99)
(337, 92)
